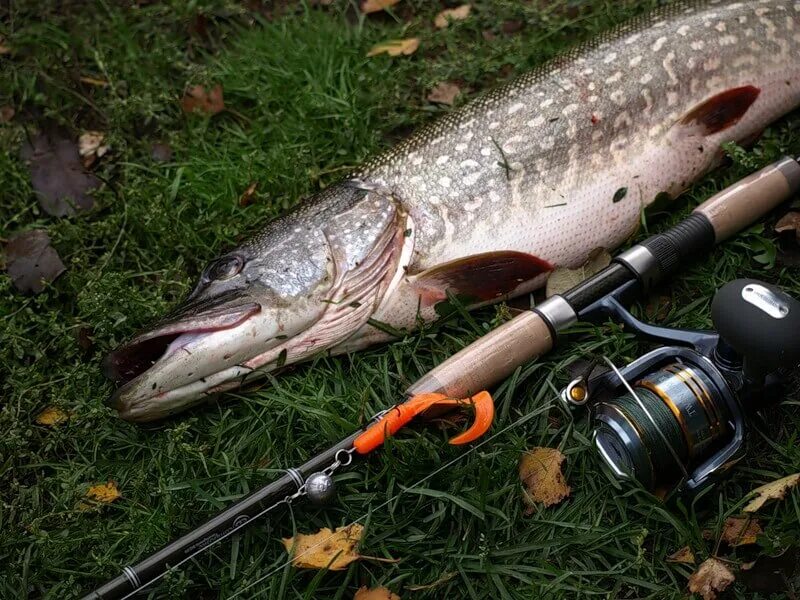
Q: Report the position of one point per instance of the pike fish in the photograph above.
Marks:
(484, 202)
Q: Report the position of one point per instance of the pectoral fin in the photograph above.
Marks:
(482, 277)
(721, 111)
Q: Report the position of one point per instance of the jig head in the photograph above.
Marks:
(399, 416)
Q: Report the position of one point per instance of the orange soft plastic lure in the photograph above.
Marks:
(399, 416)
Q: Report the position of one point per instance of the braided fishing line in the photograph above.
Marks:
(522, 420)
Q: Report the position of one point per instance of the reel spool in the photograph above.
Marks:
(676, 417)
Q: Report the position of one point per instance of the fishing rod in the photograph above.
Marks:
(702, 378)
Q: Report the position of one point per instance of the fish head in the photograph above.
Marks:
(261, 306)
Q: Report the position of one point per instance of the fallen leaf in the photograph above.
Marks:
(540, 473)
(684, 556)
(789, 222)
(395, 47)
(4, 48)
(160, 152)
(199, 100)
(741, 531)
(372, 6)
(31, 261)
(459, 13)
(511, 27)
(325, 549)
(444, 93)
(378, 593)
(91, 147)
(57, 175)
(101, 493)
(710, 578)
(52, 416)
(563, 279)
(775, 490)
(246, 199)
(6, 113)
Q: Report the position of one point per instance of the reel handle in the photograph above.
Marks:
(760, 323)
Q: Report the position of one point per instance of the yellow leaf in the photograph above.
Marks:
(775, 490)
(444, 93)
(94, 81)
(540, 472)
(372, 6)
(710, 578)
(563, 279)
(789, 222)
(395, 47)
(684, 556)
(51, 416)
(459, 13)
(325, 549)
(103, 493)
(378, 593)
(741, 531)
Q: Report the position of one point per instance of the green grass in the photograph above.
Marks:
(305, 104)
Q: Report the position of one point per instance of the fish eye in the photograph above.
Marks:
(225, 268)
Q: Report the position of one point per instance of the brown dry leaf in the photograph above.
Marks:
(101, 493)
(325, 549)
(372, 6)
(32, 262)
(563, 279)
(459, 13)
(789, 222)
(684, 556)
(710, 578)
(52, 416)
(775, 490)
(540, 473)
(4, 47)
(199, 100)
(444, 93)
(91, 147)
(246, 199)
(741, 531)
(395, 47)
(6, 113)
(378, 593)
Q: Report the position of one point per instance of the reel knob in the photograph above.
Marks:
(759, 323)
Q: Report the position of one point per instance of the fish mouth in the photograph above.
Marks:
(131, 362)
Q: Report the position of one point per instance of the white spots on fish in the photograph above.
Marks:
(697, 45)
(633, 39)
(744, 60)
(486, 151)
(569, 109)
(659, 24)
(742, 19)
(728, 40)
(623, 120)
(546, 103)
(761, 11)
(547, 143)
(672, 98)
(588, 71)
(471, 179)
(435, 200)
(614, 78)
(591, 87)
(416, 161)
(715, 82)
(474, 205)
(415, 179)
(749, 32)
(593, 98)
(461, 147)
(536, 122)
(444, 181)
(659, 43)
(610, 57)
(442, 159)
(597, 135)
(494, 124)
(515, 108)
(684, 30)
(667, 64)
(467, 124)
(470, 164)
(636, 61)
(655, 130)
(618, 97)
(797, 7)
(645, 79)
(721, 27)
(789, 23)
(469, 135)
(712, 64)
(691, 63)
(494, 196)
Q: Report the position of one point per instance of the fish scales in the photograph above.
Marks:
(484, 201)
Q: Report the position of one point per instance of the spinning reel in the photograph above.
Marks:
(677, 417)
